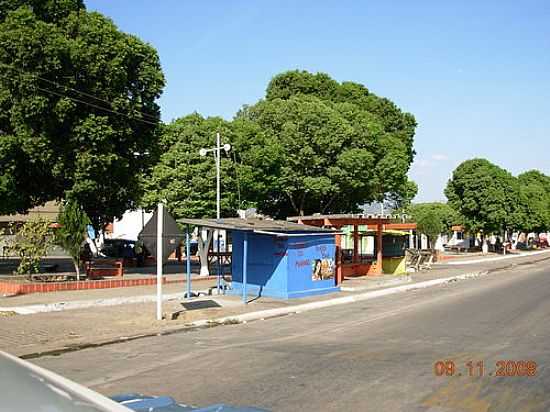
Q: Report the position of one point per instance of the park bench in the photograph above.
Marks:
(419, 259)
(456, 248)
(98, 268)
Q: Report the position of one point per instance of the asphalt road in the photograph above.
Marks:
(375, 355)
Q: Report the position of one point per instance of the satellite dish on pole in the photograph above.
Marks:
(227, 147)
(202, 152)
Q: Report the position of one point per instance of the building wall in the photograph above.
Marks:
(284, 267)
(266, 268)
(305, 254)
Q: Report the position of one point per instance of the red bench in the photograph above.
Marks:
(96, 269)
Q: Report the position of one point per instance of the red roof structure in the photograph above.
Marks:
(378, 223)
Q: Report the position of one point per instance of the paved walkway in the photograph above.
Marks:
(92, 294)
(494, 257)
(42, 332)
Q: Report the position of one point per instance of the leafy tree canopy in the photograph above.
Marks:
(333, 146)
(46, 10)
(31, 242)
(77, 101)
(71, 234)
(185, 180)
(533, 212)
(384, 111)
(292, 153)
(484, 194)
(401, 199)
(434, 218)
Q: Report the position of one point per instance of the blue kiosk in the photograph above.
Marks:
(277, 258)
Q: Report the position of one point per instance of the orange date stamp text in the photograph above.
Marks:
(502, 368)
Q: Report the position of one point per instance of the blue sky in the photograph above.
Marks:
(476, 74)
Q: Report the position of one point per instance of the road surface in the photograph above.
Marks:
(375, 355)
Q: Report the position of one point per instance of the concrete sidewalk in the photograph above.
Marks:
(492, 258)
(30, 335)
(197, 282)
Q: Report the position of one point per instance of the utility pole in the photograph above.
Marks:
(160, 236)
(218, 188)
(217, 156)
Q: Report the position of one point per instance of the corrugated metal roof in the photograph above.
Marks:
(251, 225)
(341, 216)
(385, 232)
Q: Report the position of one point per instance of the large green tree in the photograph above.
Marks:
(331, 146)
(77, 102)
(485, 195)
(292, 153)
(533, 212)
(433, 219)
(185, 180)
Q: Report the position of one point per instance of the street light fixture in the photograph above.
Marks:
(217, 155)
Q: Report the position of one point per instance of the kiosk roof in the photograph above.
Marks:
(251, 225)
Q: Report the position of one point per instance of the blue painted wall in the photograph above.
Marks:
(283, 267)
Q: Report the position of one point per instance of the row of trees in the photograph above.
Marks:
(77, 108)
(490, 199)
(486, 198)
(311, 145)
(79, 120)
(79, 123)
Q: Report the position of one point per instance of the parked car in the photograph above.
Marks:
(119, 249)
(142, 403)
(27, 387)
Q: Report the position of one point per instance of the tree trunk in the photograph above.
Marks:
(293, 203)
(302, 201)
(77, 269)
(204, 246)
(484, 245)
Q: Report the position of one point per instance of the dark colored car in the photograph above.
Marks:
(119, 249)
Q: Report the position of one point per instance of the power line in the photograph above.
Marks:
(94, 105)
(90, 95)
(90, 104)
(71, 88)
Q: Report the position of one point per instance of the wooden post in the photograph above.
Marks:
(338, 259)
(379, 253)
(355, 243)
(245, 267)
(188, 261)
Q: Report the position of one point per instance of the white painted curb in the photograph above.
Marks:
(408, 279)
(83, 304)
(56, 307)
(470, 262)
(264, 314)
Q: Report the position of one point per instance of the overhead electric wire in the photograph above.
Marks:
(94, 105)
(88, 103)
(84, 94)
(89, 95)
(57, 84)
